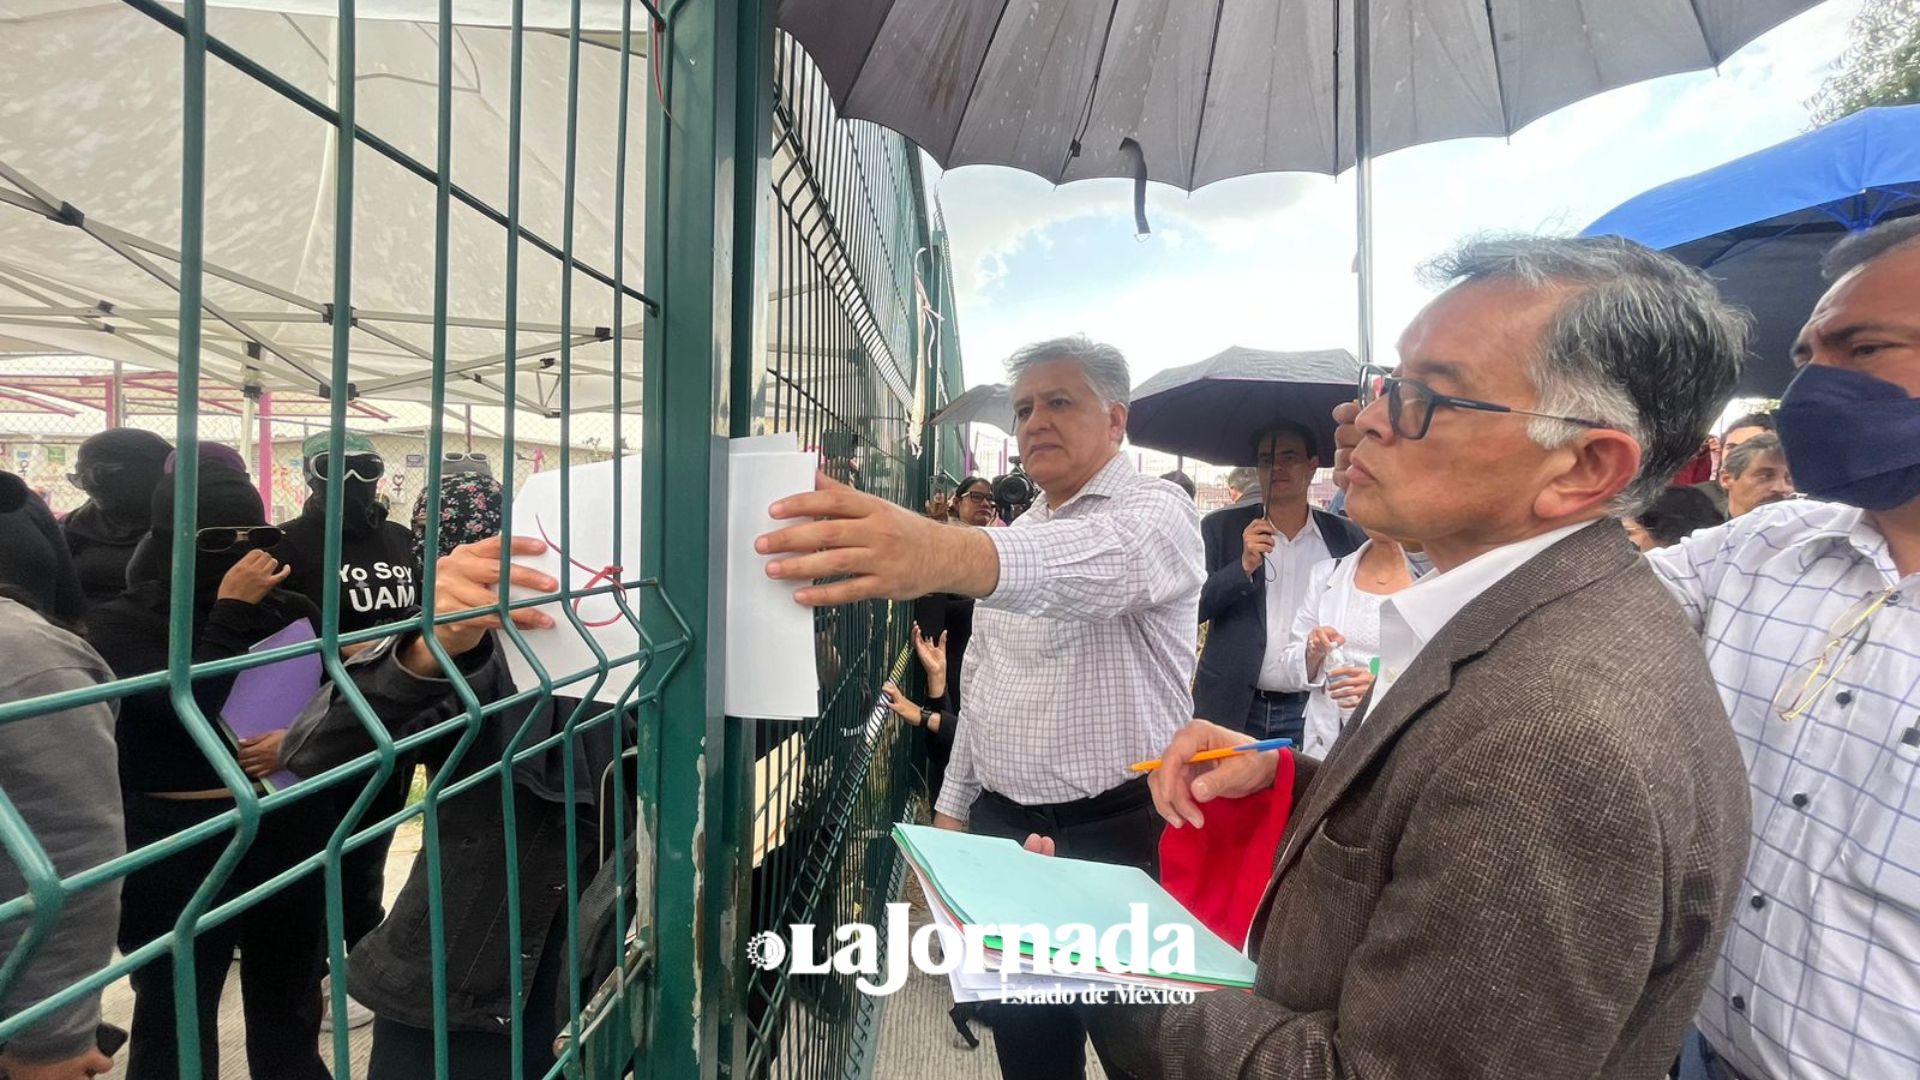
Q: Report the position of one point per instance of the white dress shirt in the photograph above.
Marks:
(1820, 976)
(1081, 662)
(1411, 617)
(1286, 569)
(1332, 599)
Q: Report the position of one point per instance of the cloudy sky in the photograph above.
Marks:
(1266, 261)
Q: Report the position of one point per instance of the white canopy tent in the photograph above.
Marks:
(90, 136)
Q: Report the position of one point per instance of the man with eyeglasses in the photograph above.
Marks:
(1808, 612)
(1259, 556)
(378, 585)
(1519, 858)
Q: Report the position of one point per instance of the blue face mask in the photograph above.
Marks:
(1851, 438)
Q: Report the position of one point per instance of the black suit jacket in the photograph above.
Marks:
(1235, 604)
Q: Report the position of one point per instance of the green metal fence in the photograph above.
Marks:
(793, 280)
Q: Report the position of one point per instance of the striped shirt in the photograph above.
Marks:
(1820, 976)
(1081, 661)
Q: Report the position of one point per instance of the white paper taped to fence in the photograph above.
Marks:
(771, 671)
(589, 553)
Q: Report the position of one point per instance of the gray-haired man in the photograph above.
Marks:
(1083, 639)
(1521, 859)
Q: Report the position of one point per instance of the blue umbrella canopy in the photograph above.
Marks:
(1215, 410)
(1760, 224)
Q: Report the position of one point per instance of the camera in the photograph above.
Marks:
(1014, 492)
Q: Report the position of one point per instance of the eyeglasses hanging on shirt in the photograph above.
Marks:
(1809, 680)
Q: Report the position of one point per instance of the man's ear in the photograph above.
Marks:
(1592, 470)
(1117, 421)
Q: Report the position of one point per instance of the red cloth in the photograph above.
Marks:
(1695, 471)
(1220, 870)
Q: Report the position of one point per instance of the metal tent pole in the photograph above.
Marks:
(1363, 169)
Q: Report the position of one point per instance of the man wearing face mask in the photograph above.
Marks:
(118, 469)
(377, 585)
(1810, 611)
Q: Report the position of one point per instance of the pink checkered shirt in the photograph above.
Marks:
(1082, 660)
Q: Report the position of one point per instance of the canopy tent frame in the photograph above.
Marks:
(240, 327)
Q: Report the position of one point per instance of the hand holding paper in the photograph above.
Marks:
(884, 551)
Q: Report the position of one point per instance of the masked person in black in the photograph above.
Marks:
(33, 557)
(378, 577)
(392, 970)
(168, 785)
(118, 469)
(377, 572)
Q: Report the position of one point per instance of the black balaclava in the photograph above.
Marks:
(118, 503)
(226, 498)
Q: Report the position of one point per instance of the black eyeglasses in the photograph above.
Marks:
(1411, 403)
(980, 497)
(218, 539)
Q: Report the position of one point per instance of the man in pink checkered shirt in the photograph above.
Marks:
(1083, 639)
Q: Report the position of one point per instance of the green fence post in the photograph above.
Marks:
(702, 252)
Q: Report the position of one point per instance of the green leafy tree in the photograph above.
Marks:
(1880, 67)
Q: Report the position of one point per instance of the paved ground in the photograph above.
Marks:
(918, 1041)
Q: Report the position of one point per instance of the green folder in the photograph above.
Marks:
(991, 880)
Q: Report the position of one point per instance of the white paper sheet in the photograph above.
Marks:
(590, 551)
(771, 669)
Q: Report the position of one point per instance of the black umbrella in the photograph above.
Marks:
(1215, 409)
(988, 403)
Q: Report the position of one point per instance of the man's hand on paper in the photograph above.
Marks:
(1039, 845)
(948, 821)
(469, 577)
(882, 550)
(1179, 785)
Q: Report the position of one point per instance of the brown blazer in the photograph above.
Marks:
(1520, 864)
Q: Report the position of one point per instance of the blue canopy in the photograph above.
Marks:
(1759, 224)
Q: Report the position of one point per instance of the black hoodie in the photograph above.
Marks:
(378, 579)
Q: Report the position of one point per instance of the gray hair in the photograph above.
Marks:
(1243, 479)
(1645, 345)
(1741, 458)
(1861, 248)
(1105, 367)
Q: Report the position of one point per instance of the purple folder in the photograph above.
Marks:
(269, 698)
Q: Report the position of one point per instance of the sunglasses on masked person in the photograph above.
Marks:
(89, 477)
(363, 467)
(223, 539)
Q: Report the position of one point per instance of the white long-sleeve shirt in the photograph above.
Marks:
(1820, 975)
(1082, 659)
